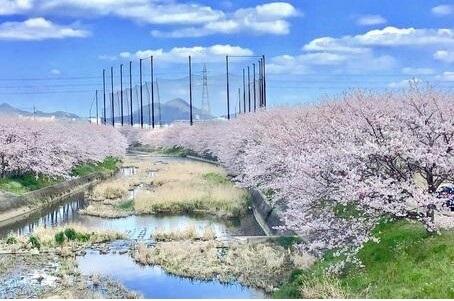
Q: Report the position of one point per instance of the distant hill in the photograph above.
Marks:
(9, 110)
(173, 110)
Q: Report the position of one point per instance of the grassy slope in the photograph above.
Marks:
(406, 263)
(25, 183)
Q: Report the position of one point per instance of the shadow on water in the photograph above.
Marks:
(154, 282)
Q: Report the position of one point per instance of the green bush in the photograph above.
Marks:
(11, 240)
(60, 238)
(82, 237)
(34, 240)
(70, 234)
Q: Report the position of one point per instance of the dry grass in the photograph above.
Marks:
(262, 265)
(46, 237)
(322, 288)
(185, 187)
(106, 211)
(112, 189)
(188, 233)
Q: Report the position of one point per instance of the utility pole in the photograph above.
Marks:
(239, 101)
(130, 93)
(97, 114)
(104, 87)
(152, 91)
(159, 103)
(190, 91)
(264, 80)
(249, 87)
(121, 93)
(112, 100)
(255, 100)
(244, 93)
(205, 97)
(141, 95)
(228, 88)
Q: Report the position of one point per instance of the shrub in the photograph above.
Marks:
(60, 238)
(35, 242)
(11, 240)
(71, 234)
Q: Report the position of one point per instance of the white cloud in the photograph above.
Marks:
(55, 72)
(446, 76)
(404, 83)
(443, 10)
(333, 45)
(444, 56)
(417, 71)
(180, 54)
(368, 20)
(268, 18)
(36, 29)
(11, 7)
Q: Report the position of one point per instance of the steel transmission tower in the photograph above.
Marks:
(205, 99)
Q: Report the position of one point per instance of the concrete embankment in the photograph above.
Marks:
(13, 208)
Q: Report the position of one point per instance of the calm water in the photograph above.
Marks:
(154, 282)
(136, 227)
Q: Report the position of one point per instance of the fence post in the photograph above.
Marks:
(228, 88)
(141, 94)
(190, 91)
(112, 100)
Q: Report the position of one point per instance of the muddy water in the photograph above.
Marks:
(154, 282)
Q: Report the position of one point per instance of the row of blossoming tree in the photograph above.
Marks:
(340, 166)
(52, 148)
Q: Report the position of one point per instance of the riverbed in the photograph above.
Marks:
(146, 281)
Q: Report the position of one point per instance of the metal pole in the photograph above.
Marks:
(152, 91)
(112, 100)
(141, 95)
(104, 87)
(228, 88)
(159, 103)
(244, 93)
(255, 98)
(121, 93)
(190, 91)
(264, 80)
(130, 93)
(249, 87)
(97, 113)
(261, 83)
(239, 101)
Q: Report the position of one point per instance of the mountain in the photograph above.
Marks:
(9, 110)
(173, 110)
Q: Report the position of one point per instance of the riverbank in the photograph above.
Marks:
(404, 262)
(14, 207)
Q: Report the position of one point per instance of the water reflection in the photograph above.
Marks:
(154, 282)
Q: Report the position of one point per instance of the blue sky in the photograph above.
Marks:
(52, 52)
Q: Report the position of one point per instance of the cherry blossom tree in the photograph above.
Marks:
(53, 148)
(340, 166)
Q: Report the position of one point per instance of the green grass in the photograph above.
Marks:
(109, 164)
(28, 182)
(407, 262)
(215, 178)
(126, 205)
(25, 183)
